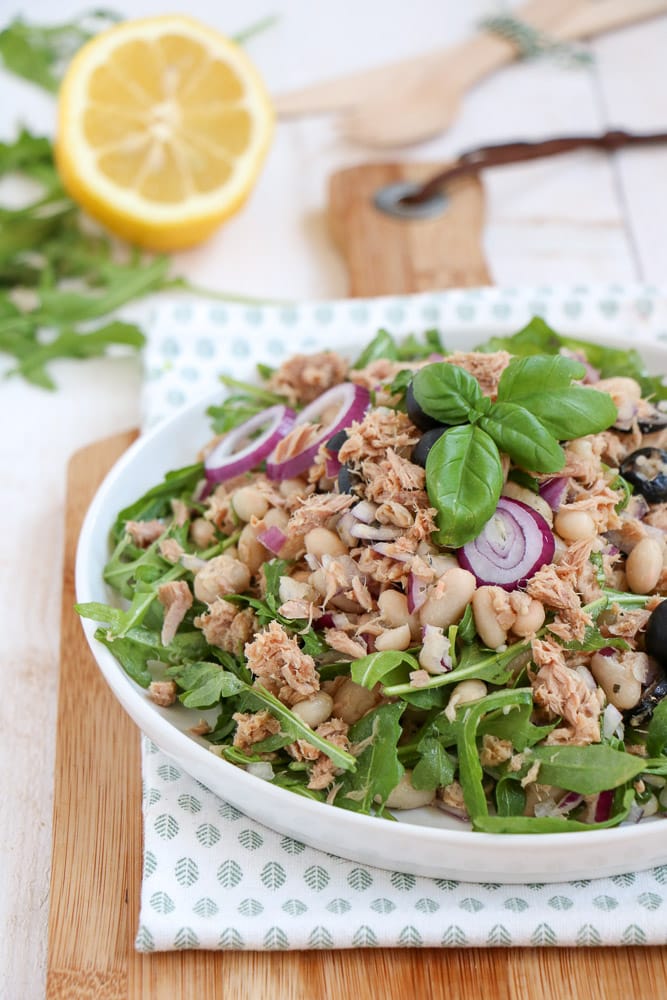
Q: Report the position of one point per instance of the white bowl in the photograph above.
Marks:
(424, 841)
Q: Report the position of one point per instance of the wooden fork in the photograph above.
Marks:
(415, 99)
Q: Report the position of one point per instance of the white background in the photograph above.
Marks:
(581, 218)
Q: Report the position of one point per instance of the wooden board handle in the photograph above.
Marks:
(390, 256)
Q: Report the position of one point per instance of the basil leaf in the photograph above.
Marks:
(574, 412)
(517, 432)
(537, 374)
(464, 479)
(587, 770)
(378, 769)
(448, 393)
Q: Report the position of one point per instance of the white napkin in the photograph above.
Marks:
(215, 879)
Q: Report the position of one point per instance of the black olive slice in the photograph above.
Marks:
(646, 469)
(655, 640)
(348, 480)
(642, 712)
(335, 443)
(420, 419)
(656, 421)
(424, 445)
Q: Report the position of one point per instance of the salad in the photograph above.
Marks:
(420, 578)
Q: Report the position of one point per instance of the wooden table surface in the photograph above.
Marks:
(584, 218)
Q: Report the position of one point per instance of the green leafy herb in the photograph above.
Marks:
(378, 769)
(435, 767)
(368, 670)
(40, 54)
(550, 824)
(656, 739)
(587, 770)
(537, 405)
(464, 478)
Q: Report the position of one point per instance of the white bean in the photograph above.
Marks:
(352, 701)
(202, 532)
(291, 487)
(644, 566)
(393, 638)
(248, 502)
(448, 599)
(314, 710)
(406, 796)
(251, 550)
(529, 621)
(322, 541)
(489, 630)
(618, 677)
(464, 692)
(393, 607)
(574, 525)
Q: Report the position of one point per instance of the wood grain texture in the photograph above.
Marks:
(388, 256)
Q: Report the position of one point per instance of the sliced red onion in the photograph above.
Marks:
(603, 806)
(351, 402)
(332, 467)
(239, 451)
(553, 491)
(364, 511)
(325, 621)
(375, 532)
(570, 802)
(417, 590)
(272, 539)
(510, 548)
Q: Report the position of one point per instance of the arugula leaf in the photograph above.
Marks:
(204, 684)
(448, 393)
(70, 343)
(510, 797)
(382, 345)
(470, 768)
(515, 725)
(411, 349)
(587, 769)
(519, 433)
(40, 54)
(464, 479)
(496, 668)
(435, 767)
(387, 666)
(156, 502)
(378, 769)
(550, 824)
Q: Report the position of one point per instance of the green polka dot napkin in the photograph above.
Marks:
(215, 879)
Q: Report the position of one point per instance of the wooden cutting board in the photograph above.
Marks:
(97, 836)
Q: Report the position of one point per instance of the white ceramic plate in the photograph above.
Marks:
(424, 842)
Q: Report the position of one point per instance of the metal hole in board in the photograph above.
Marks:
(389, 200)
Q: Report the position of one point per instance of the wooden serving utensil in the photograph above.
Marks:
(376, 112)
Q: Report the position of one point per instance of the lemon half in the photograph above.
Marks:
(163, 126)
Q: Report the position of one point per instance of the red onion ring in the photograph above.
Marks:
(553, 491)
(510, 548)
(351, 402)
(237, 452)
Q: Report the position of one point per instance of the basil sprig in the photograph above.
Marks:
(537, 406)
